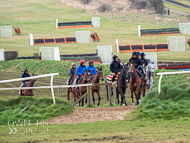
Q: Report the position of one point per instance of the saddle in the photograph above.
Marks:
(109, 79)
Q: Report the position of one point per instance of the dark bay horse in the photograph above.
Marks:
(72, 90)
(96, 89)
(29, 92)
(134, 82)
(121, 84)
(83, 89)
(144, 81)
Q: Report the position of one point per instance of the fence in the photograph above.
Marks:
(168, 73)
(157, 32)
(105, 53)
(34, 77)
(95, 21)
(152, 57)
(176, 43)
(184, 28)
(50, 53)
(6, 31)
(88, 93)
(82, 36)
(1, 54)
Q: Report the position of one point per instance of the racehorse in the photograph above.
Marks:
(83, 89)
(29, 92)
(72, 90)
(149, 73)
(96, 79)
(144, 81)
(121, 85)
(135, 82)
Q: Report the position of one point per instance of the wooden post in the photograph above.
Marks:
(88, 95)
(114, 93)
(59, 92)
(109, 94)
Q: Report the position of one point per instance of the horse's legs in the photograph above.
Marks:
(132, 98)
(68, 93)
(99, 98)
(93, 99)
(107, 92)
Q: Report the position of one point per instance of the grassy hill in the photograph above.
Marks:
(38, 17)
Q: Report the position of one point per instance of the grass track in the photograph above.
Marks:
(105, 131)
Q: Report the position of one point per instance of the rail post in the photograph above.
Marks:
(59, 92)
(88, 95)
(114, 93)
(109, 94)
(52, 89)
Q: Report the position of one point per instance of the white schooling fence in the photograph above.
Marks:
(88, 93)
(169, 73)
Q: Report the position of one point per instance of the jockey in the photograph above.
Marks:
(91, 68)
(138, 63)
(24, 75)
(115, 67)
(138, 54)
(143, 58)
(72, 72)
(80, 70)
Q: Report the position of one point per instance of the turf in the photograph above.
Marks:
(38, 17)
(36, 109)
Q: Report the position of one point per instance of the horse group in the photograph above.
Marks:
(137, 84)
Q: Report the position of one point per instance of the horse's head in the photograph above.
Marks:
(151, 68)
(35, 75)
(132, 67)
(100, 74)
(144, 64)
(87, 76)
(125, 69)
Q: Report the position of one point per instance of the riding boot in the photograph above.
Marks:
(113, 78)
(20, 92)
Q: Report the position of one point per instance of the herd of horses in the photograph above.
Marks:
(137, 84)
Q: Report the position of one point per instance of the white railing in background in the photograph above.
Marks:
(28, 78)
(168, 73)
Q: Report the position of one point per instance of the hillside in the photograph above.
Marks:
(38, 17)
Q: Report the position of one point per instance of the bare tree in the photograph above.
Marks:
(158, 5)
(104, 7)
(85, 1)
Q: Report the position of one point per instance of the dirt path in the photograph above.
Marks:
(81, 115)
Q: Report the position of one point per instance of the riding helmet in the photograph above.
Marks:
(90, 62)
(25, 70)
(119, 60)
(138, 53)
(114, 57)
(73, 64)
(134, 53)
(82, 61)
(142, 54)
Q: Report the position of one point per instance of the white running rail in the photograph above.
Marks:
(169, 73)
(28, 78)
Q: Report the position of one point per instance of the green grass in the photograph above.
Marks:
(177, 7)
(172, 103)
(38, 17)
(104, 131)
(37, 109)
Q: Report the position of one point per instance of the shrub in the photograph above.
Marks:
(10, 55)
(104, 7)
(86, 1)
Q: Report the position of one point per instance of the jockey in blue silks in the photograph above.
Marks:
(92, 69)
(80, 70)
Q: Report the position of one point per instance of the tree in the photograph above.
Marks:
(158, 5)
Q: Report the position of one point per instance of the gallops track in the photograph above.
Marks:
(81, 115)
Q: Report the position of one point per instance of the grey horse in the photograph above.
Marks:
(149, 74)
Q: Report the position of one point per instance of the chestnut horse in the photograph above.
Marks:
(134, 82)
(83, 89)
(29, 92)
(73, 90)
(144, 81)
(96, 79)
